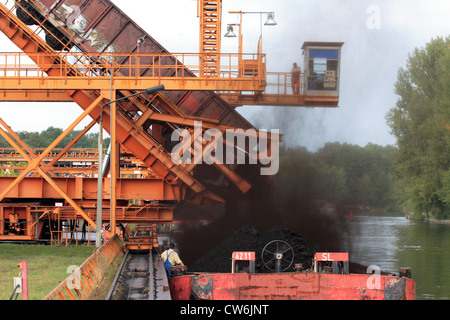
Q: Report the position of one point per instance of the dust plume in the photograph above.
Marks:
(278, 201)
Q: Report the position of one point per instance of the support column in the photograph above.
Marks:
(113, 164)
(98, 231)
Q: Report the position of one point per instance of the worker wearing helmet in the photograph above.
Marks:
(171, 259)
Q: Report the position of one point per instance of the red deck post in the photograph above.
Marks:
(24, 272)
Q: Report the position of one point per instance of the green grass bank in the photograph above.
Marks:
(47, 266)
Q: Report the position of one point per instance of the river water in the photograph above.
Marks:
(394, 242)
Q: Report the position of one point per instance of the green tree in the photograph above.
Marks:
(342, 174)
(363, 175)
(50, 134)
(331, 183)
(421, 124)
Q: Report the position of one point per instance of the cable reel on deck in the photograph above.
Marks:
(277, 256)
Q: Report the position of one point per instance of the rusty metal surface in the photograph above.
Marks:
(85, 279)
(144, 238)
(202, 287)
(99, 26)
(395, 289)
(289, 286)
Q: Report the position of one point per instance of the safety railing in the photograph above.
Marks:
(280, 83)
(132, 65)
(73, 153)
(86, 278)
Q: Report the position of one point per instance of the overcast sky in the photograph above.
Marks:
(378, 36)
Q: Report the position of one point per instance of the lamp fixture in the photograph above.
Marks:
(270, 20)
(230, 32)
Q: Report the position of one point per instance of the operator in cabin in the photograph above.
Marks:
(171, 259)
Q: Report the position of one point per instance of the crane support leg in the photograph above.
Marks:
(34, 161)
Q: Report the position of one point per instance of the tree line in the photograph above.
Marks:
(420, 121)
(338, 174)
(44, 138)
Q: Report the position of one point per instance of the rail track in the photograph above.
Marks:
(141, 276)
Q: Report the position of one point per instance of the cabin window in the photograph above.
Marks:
(323, 69)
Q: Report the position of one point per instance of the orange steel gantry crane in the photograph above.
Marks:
(137, 124)
(129, 134)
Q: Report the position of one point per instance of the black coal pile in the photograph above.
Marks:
(286, 200)
(248, 238)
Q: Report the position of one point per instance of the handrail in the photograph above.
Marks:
(279, 83)
(83, 281)
(95, 64)
(80, 70)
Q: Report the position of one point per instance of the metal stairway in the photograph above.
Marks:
(210, 13)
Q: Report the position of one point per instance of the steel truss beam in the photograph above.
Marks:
(128, 134)
(88, 94)
(34, 161)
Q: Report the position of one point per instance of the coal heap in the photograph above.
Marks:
(249, 239)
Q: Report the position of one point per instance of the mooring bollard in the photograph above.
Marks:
(405, 272)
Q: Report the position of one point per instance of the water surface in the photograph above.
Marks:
(394, 242)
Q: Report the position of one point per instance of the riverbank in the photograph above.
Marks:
(432, 220)
(425, 219)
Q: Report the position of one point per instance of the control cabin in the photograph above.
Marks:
(322, 68)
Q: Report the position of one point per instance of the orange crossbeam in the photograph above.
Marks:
(123, 83)
(20, 95)
(281, 100)
(86, 189)
(124, 214)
